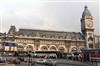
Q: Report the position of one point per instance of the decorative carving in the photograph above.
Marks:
(90, 38)
(67, 44)
(48, 46)
(37, 34)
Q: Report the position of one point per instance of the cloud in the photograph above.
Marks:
(62, 16)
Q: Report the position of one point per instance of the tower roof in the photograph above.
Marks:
(86, 12)
(12, 29)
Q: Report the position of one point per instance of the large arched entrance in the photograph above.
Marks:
(74, 49)
(81, 48)
(20, 48)
(61, 49)
(29, 48)
(44, 48)
(53, 48)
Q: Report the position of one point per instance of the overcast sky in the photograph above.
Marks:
(54, 15)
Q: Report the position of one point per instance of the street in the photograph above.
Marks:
(61, 62)
(57, 65)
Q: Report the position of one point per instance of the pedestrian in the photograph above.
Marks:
(81, 57)
(73, 56)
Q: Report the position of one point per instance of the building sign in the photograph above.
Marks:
(9, 44)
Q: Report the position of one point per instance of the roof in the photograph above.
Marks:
(49, 33)
(46, 33)
(86, 12)
(1, 34)
(12, 30)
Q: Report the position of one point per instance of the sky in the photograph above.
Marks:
(57, 15)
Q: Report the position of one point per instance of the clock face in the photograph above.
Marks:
(89, 23)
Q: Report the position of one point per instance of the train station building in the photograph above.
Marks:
(47, 40)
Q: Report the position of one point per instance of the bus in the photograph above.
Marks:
(48, 54)
(91, 55)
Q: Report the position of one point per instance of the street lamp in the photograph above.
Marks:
(29, 56)
(96, 54)
(99, 41)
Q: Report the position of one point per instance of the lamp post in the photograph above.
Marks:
(98, 42)
(96, 53)
(29, 55)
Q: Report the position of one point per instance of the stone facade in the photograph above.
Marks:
(40, 40)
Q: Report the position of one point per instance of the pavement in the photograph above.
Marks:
(72, 62)
(75, 63)
(60, 62)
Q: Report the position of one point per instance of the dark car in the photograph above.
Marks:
(47, 62)
(2, 60)
(69, 56)
(26, 60)
(14, 61)
(21, 59)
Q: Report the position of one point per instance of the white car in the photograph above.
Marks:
(40, 61)
(50, 62)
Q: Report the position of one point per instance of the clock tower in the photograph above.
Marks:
(87, 28)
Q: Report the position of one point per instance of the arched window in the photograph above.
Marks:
(66, 36)
(20, 48)
(52, 36)
(60, 37)
(43, 36)
(90, 38)
(90, 45)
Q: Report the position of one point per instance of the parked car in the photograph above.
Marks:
(21, 59)
(50, 62)
(69, 55)
(26, 60)
(2, 60)
(41, 61)
(10, 54)
(33, 62)
(14, 61)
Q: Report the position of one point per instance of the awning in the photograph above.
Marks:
(9, 44)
